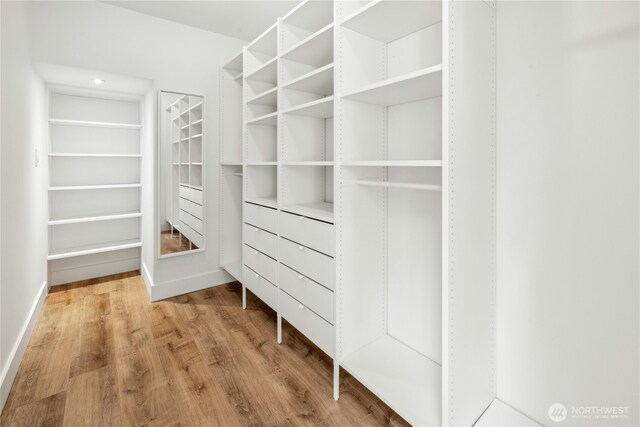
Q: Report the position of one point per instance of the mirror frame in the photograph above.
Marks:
(158, 176)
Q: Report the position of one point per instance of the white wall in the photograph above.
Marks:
(23, 228)
(98, 36)
(568, 210)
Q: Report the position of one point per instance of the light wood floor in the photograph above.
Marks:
(169, 245)
(103, 355)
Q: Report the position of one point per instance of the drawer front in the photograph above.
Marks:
(191, 194)
(261, 216)
(191, 221)
(184, 192)
(260, 263)
(317, 266)
(314, 234)
(262, 240)
(191, 234)
(309, 293)
(193, 208)
(306, 321)
(261, 287)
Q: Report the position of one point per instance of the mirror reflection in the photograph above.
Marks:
(181, 170)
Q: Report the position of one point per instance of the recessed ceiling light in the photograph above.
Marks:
(97, 81)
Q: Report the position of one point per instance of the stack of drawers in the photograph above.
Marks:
(306, 277)
(260, 252)
(191, 214)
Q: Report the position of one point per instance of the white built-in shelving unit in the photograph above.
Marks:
(94, 185)
(367, 165)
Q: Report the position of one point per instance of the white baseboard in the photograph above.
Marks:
(188, 284)
(84, 272)
(146, 278)
(10, 370)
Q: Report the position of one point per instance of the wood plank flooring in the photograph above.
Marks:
(103, 355)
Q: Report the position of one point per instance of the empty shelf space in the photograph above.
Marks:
(386, 20)
(267, 42)
(405, 185)
(231, 163)
(110, 217)
(93, 187)
(309, 163)
(268, 97)
(393, 163)
(235, 65)
(93, 155)
(422, 84)
(404, 379)
(267, 72)
(322, 211)
(316, 50)
(270, 119)
(83, 123)
(310, 15)
(94, 249)
(234, 269)
(271, 201)
(321, 108)
(318, 81)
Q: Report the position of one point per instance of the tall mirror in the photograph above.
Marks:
(181, 173)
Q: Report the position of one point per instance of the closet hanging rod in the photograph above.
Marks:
(409, 186)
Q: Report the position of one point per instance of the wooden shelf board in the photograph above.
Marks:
(499, 414)
(234, 269)
(393, 163)
(271, 201)
(95, 218)
(267, 72)
(83, 123)
(94, 249)
(93, 187)
(322, 211)
(386, 21)
(94, 155)
(404, 379)
(315, 50)
(318, 81)
(268, 97)
(270, 119)
(321, 108)
(421, 84)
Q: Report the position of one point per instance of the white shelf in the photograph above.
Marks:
(270, 119)
(321, 108)
(94, 249)
(499, 414)
(315, 50)
(231, 163)
(422, 84)
(404, 379)
(386, 20)
(310, 15)
(94, 155)
(63, 122)
(309, 163)
(271, 201)
(261, 163)
(197, 122)
(94, 187)
(393, 163)
(268, 97)
(234, 269)
(196, 136)
(95, 218)
(267, 72)
(267, 42)
(239, 77)
(322, 211)
(318, 81)
(405, 185)
(235, 65)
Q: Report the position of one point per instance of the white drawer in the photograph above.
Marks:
(192, 221)
(265, 266)
(261, 287)
(262, 240)
(191, 234)
(185, 192)
(261, 216)
(308, 262)
(193, 208)
(315, 234)
(191, 194)
(306, 321)
(310, 293)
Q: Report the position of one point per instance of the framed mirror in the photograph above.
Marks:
(181, 173)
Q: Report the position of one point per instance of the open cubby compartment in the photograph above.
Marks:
(184, 174)
(307, 190)
(262, 80)
(175, 154)
(405, 132)
(231, 219)
(261, 143)
(231, 127)
(196, 129)
(195, 150)
(261, 184)
(234, 67)
(390, 297)
(306, 139)
(262, 50)
(389, 42)
(262, 106)
(304, 20)
(94, 140)
(195, 113)
(195, 176)
(184, 151)
(76, 171)
(195, 102)
(310, 55)
(183, 103)
(77, 235)
(84, 108)
(89, 203)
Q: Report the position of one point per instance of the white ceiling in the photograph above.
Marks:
(243, 19)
